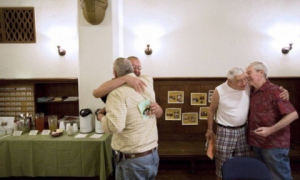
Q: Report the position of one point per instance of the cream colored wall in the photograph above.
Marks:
(205, 38)
(96, 57)
(189, 39)
(56, 24)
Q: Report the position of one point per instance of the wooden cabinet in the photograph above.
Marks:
(12, 91)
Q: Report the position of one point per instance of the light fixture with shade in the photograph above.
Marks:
(286, 50)
(148, 50)
(61, 52)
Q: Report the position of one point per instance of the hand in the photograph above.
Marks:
(136, 83)
(156, 109)
(208, 135)
(100, 114)
(284, 94)
(263, 131)
(102, 111)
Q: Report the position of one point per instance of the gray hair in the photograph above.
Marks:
(235, 71)
(122, 66)
(259, 66)
(132, 57)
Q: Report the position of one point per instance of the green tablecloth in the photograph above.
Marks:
(44, 155)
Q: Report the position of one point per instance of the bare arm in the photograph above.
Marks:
(286, 120)
(109, 86)
(211, 112)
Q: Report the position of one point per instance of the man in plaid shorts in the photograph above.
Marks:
(230, 103)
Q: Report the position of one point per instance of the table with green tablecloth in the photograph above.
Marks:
(63, 156)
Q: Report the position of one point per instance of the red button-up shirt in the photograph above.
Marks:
(266, 109)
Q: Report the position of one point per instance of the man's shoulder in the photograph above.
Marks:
(222, 84)
(122, 92)
(271, 87)
(146, 78)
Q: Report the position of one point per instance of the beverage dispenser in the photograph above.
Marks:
(86, 123)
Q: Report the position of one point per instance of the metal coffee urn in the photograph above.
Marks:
(98, 124)
(86, 123)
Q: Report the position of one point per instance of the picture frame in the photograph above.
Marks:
(203, 113)
(210, 93)
(190, 118)
(173, 114)
(198, 99)
(175, 97)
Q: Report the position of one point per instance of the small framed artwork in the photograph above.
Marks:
(210, 93)
(175, 97)
(190, 118)
(173, 114)
(203, 112)
(198, 98)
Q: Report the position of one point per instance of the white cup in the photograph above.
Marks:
(70, 130)
(67, 127)
(62, 125)
(75, 128)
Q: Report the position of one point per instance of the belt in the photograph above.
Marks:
(136, 155)
(230, 127)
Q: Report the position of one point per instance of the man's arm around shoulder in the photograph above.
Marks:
(111, 85)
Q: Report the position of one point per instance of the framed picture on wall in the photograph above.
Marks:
(210, 93)
(203, 112)
(175, 97)
(190, 118)
(173, 114)
(198, 98)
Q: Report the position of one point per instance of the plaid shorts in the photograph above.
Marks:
(230, 142)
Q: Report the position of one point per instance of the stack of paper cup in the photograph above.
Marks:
(67, 127)
(75, 127)
(62, 125)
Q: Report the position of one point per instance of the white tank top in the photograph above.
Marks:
(233, 105)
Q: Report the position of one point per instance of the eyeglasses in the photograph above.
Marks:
(241, 81)
(137, 67)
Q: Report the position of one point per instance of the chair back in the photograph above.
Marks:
(245, 168)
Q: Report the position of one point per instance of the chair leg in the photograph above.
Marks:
(192, 166)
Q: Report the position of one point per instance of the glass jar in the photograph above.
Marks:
(39, 121)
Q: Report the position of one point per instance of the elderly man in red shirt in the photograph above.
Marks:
(269, 122)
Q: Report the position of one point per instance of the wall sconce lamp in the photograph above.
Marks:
(148, 50)
(286, 50)
(61, 52)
